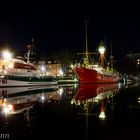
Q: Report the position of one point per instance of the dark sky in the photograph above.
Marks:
(57, 25)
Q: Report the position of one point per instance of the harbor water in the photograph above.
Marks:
(71, 111)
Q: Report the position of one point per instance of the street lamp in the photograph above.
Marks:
(7, 61)
(6, 55)
(71, 66)
(43, 70)
(61, 72)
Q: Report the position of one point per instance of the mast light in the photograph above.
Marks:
(101, 48)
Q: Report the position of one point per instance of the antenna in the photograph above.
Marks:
(111, 57)
(30, 52)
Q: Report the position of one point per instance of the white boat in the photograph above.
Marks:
(16, 72)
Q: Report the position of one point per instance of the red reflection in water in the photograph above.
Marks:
(87, 91)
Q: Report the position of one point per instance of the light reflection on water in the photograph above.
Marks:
(77, 110)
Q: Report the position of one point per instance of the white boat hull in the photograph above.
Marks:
(17, 83)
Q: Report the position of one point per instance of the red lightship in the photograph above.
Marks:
(97, 72)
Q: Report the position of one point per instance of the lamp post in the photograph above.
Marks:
(7, 57)
(43, 70)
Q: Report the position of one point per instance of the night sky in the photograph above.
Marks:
(58, 25)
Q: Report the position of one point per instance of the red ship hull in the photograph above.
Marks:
(86, 75)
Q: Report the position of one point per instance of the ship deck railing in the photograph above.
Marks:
(33, 79)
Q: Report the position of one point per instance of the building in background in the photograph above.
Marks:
(56, 69)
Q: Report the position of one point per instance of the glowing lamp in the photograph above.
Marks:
(7, 108)
(72, 101)
(43, 68)
(61, 72)
(42, 98)
(138, 61)
(71, 66)
(75, 79)
(102, 115)
(10, 107)
(7, 55)
(101, 50)
(61, 91)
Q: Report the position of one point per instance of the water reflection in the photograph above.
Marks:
(74, 110)
(92, 99)
(21, 108)
(17, 99)
(94, 93)
(14, 100)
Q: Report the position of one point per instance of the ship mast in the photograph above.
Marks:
(30, 52)
(111, 57)
(87, 58)
(86, 53)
